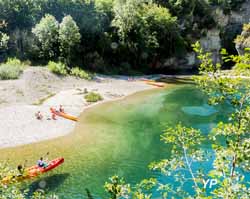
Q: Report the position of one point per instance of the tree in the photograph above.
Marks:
(4, 38)
(69, 37)
(145, 28)
(231, 163)
(46, 32)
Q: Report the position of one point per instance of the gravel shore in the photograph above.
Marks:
(38, 90)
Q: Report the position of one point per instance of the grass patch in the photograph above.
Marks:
(2, 101)
(57, 68)
(42, 100)
(19, 92)
(12, 69)
(93, 97)
(78, 72)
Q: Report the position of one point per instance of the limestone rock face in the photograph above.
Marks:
(212, 41)
(243, 41)
(220, 17)
(243, 15)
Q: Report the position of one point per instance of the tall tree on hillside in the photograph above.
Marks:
(4, 38)
(69, 37)
(46, 32)
(145, 28)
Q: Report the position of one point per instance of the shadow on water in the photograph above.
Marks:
(49, 183)
(89, 195)
(176, 80)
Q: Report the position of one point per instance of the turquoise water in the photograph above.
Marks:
(120, 138)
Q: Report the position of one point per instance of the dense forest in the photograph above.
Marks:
(105, 35)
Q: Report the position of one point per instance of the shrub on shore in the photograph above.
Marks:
(93, 97)
(57, 68)
(78, 72)
(12, 69)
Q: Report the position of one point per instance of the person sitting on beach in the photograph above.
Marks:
(42, 163)
(53, 116)
(61, 109)
(39, 115)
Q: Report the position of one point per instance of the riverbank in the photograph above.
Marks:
(38, 90)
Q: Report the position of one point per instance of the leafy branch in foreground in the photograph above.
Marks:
(184, 155)
(14, 189)
(230, 139)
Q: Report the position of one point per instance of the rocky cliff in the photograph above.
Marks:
(227, 27)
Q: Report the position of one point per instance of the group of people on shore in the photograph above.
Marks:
(39, 115)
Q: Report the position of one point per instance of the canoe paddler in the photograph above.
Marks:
(42, 163)
(20, 170)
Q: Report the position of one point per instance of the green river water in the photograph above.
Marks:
(120, 137)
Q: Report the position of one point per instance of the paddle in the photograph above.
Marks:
(24, 164)
(45, 157)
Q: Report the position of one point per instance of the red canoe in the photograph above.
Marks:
(33, 172)
(36, 170)
(64, 115)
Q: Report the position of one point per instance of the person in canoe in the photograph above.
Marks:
(39, 115)
(42, 163)
(20, 170)
(61, 109)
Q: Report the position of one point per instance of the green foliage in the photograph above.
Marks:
(227, 5)
(57, 68)
(243, 41)
(231, 160)
(12, 69)
(78, 72)
(69, 37)
(117, 188)
(242, 61)
(14, 189)
(183, 154)
(14, 62)
(46, 32)
(4, 39)
(141, 33)
(145, 28)
(93, 97)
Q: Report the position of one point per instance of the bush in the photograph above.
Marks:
(57, 68)
(77, 72)
(12, 69)
(9, 72)
(13, 61)
(93, 97)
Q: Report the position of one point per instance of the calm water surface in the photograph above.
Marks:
(120, 137)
